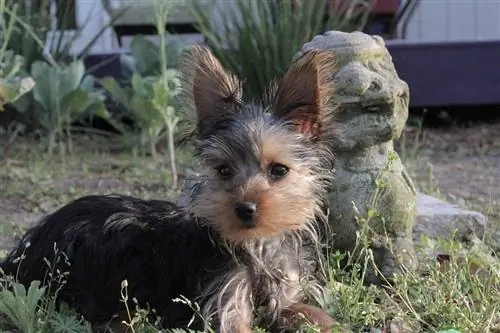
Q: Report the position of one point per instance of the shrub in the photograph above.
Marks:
(258, 40)
(62, 95)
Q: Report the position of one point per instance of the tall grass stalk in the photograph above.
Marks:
(171, 120)
(13, 15)
(5, 28)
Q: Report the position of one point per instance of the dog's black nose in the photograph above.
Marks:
(245, 210)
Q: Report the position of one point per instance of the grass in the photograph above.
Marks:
(460, 291)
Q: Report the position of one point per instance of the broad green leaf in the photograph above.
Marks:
(98, 108)
(46, 91)
(160, 95)
(76, 103)
(146, 54)
(72, 76)
(11, 90)
(87, 83)
(143, 110)
(116, 91)
(35, 294)
(140, 86)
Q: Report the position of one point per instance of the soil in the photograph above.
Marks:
(465, 161)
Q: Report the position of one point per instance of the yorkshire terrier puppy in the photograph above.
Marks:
(246, 248)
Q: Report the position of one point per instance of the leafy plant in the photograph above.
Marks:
(258, 39)
(12, 83)
(62, 96)
(145, 60)
(145, 57)
(155, 85)
(148, 101)
(21, 305)
(66, 320)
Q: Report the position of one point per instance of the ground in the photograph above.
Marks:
(460, 165)
(33, 183)
(457, 164)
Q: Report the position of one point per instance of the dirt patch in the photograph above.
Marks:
(462, 162)
(460, 165)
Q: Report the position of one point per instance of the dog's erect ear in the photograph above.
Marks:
(303, 94)
(208, 89)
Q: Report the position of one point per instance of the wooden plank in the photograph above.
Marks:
(447, 74)
(461, 24)
(488, 20)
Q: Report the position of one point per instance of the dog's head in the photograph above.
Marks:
(267, 163)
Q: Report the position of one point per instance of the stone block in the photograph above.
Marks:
(438, 219)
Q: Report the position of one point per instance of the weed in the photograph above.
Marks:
(152, 98)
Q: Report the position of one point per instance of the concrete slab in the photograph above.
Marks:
(438, 219)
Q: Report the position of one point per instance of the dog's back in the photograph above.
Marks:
(107, 239)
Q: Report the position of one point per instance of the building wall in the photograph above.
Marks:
(91, 17)
(455, 20)
(432, 21)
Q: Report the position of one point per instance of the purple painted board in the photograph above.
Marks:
(449, 74)
(439, 74)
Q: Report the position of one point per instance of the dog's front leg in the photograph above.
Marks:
(237, 319)
(234, 303)
(300, 313)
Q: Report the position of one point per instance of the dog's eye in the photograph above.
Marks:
(277, 171)
(224, 171)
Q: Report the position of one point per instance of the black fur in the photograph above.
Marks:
(162, 252)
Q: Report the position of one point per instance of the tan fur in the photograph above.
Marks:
(208, 88)
(312, 314)
(303, 93)
(294, 192)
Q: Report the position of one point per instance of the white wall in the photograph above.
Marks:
(91, 17)
(433, 20)
(455, 20)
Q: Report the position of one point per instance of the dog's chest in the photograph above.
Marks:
(277, 280)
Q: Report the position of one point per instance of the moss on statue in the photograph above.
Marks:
(372, 193)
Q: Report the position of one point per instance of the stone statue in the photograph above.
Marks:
(370, 179)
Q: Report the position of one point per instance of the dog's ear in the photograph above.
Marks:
(208, 89)
(303, 94)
